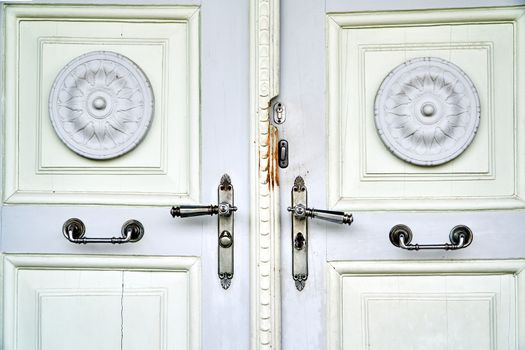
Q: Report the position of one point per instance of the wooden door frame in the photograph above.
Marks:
(264, 226)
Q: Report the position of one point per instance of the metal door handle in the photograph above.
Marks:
(460, 237)
(74, 230)
(224, 209)
(300, 213)
(186, 211)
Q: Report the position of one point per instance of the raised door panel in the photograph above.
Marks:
(425, 305)
(84, 302)
(48, 166)
(384, 152)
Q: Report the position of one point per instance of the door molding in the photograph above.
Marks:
(30, 176)
(265, 247)
(337, 270)
(15, 263)
(356, 179)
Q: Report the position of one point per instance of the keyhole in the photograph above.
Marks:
(299, 241)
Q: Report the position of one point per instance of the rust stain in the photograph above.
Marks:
(272, 167)
(273, 161)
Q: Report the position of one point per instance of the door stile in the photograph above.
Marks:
(265, 247)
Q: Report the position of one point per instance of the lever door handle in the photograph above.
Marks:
(338, 217)
(186, 211)
(224, 210)
(300, 215)
(74, 230)
(460, 237)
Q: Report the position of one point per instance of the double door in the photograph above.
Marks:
(391, 118)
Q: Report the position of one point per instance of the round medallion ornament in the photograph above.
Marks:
(101, 105)
(427, 111)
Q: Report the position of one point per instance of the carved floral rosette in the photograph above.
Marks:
(427, 111)
(101, 105)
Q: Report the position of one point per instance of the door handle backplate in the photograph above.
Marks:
(299, 233)
(300, 215)
(224, 210)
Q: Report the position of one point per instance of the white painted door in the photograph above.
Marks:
(362, 292)
(162, 292)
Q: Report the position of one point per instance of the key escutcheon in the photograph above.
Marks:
(299, 233)
(225, 231)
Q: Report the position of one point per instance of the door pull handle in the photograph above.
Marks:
(74, 230)
(300, 214)
(460, 237)
(224, 210)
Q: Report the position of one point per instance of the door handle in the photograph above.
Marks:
(300, 213)
(460, 237)
(338, 217)
(74, 230)
(224, 210)
(186, 211)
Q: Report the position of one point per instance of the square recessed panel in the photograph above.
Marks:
(477, 160)
(427, 304)
(57, 304)
(163, 42)
(53, 156)
(364, 174)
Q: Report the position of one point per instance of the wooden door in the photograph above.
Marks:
(363, 292)
(163, 291)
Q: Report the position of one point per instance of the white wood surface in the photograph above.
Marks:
(64, 302)
(498, 234)
(265, 225)
(40, 41)
(363, 49)
(224, 68)
(224, 148)
(425, 305)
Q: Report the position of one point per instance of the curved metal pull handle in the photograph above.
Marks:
(224, 209)
(300, 212)
(74, 230)
(460, 237)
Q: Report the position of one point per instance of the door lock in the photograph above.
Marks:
(279, 113)
(283, 153)
(224, 210)
(300, 213)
